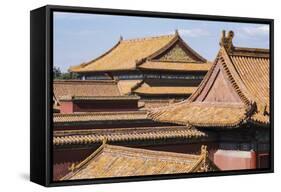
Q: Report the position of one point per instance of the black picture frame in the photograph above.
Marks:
(41, 61)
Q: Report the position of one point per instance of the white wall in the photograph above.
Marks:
(14, 94)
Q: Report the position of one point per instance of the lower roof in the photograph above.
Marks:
(202, 114)
(77, 137)
(116, 161)
(125, 86)
(100, 88)
(148, 104)
(175, 66)
(147, 89)
(99, 116)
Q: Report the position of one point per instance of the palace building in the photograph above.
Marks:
(161, 70)
(232, 102)
(71, 96)
(153, 104)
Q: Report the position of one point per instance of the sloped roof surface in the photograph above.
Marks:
(68, 88)
(117, 161)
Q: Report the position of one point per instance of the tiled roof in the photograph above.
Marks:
(100, 116)
(247, 71)
(116, 161)
(71, 137)
(125, 54)
(66, 88)
(129, 54)
(175, 66)
(155, 103)
(202, 115)
(254, 74)
(146, 89)
(125, 86)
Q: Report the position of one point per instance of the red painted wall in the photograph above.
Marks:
(62, 160)
(66, 107)
(105, 106)
(126, 124)
(235, 160)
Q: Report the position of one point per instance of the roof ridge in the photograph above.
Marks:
(162, 49)
(86, 131)
(235, 78)
(137, 85)
(193, 51)
(202, 159)
(75, 168)
(147, 38)
(227, 43)
(172, 42)
(252, 49)
(74, 137)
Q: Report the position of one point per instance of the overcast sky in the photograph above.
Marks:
(79, 37)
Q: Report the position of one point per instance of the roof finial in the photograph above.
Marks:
(104, 141)
(226, 40)
(176, 32)
(204, 150)
(72, 167)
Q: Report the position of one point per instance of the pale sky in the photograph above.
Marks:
(80, 37)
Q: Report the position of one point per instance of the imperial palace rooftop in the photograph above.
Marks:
(160, 68)
(145, 53)
(92, 136)
(235, 91)
(116, 161)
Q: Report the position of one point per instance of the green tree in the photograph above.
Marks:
(57, 74)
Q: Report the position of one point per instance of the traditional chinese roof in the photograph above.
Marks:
(156, 103)
(116, 161)
(85, 88)
(125, 86)
(202, 115)
(129, 54)
(234, 91)
(175, 66)
(99, 116)
(76, 137)
(145, 88)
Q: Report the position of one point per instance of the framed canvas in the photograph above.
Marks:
(123, 95)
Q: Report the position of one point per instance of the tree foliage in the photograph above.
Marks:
(57, 74)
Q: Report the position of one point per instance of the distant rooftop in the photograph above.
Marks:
(129, 54)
